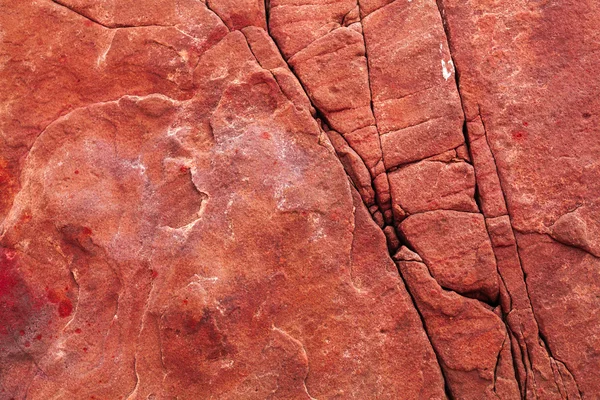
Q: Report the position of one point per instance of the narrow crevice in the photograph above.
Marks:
(363, 162)
(457, 77)
(469, 295)
(401, 238)
(527, 290)
(432, 159)
(207, 4)
(440, 362)
(321, 117)
(268, 14)
(527, 357)
(465, 132)
(541, 334)
(498, 362)
(371, 105)
(514, 357)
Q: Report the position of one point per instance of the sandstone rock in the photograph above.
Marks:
(201, 199)
(533, 87)
(441, 186)
(456, 249)
(469, 339)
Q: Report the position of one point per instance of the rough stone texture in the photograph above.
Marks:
(294, 199)
(440, 186)
(470, 338)
(455, 247)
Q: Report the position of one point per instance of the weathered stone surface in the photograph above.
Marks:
(456, 248)
(201, 199)
(470, 339)
(441, 186)
(527, 72)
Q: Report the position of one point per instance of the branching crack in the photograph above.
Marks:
(98, 22)
(320, 116)
(208, 7)
(500, 180)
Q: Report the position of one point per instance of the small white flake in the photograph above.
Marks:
(447, 69)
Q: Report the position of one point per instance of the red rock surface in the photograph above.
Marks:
(238, 199)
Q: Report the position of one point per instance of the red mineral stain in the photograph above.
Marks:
(185, 302)
(154, 274)
(184, 169)
(76, 172)
(65, 308)
(78, 330)
(519, 135)
(27, 344)
(22, 332)
(85, 349)
(266, 135)
(86, 231)
(525, 123)
(52, 296)
(38, 337)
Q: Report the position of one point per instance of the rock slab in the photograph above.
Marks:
(238, 199)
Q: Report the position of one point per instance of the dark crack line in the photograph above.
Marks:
(440, 362)
(363, 163)
(318, 113)
(208, 7)
(408, 126)
(526, 356)
(477, 198)
(431, 159)
(544, 341)
(407, 243)
(402, 240)
(374, 116)
(320, 116)
(514, 356)
(107, 26)
(527, 291)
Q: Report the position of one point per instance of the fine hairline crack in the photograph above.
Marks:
(98, 22)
